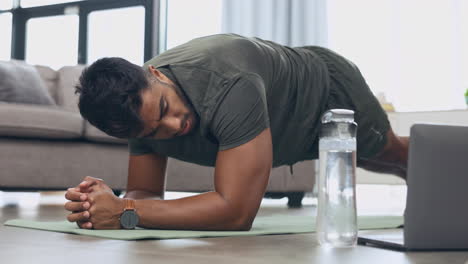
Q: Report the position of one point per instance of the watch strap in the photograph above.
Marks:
(129, 204)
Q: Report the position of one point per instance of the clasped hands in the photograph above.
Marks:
(93, 205)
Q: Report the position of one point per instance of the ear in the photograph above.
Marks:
(158, 74)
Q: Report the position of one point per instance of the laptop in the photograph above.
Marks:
(436, 215)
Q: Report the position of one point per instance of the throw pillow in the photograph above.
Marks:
(21, 83)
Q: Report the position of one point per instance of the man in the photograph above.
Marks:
(243, 105)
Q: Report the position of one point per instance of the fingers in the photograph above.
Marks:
(98, 188)
(77, 206)
(89, 178)
(84, 225)
(88, 182)
(73, 195)
(78, 216)
(80, 201)
(92, 180)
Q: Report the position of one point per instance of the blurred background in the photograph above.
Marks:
(413, 53)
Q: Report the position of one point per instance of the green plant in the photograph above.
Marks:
(466, 93)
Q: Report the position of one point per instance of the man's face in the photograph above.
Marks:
(165, 112)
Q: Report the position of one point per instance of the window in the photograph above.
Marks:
(416, 52)
(5, 32)
(6, 4)
(188, 19)
(32, 3)
(67, 32)
(52, 41)
(117, 33)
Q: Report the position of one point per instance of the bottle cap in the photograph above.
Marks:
(338, 115)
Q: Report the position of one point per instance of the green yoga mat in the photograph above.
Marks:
(263, 225)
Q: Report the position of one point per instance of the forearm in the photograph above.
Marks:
(143, 195)
(207, 211)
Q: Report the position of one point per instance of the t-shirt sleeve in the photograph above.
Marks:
(242, 114)
(139, 146)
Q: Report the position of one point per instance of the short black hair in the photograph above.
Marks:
(110, 96)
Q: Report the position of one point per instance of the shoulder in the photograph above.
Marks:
(199, 50)
(242, 114)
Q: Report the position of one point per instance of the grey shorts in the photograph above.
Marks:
(349, 90)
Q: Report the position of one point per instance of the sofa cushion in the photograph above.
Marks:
(93, 134)
(49, 76)
(36, 121)
(68, 77)
(183, 176)
(46, 165)
(21, 83)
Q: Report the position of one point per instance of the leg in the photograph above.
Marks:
(392, 159)
(379, 149)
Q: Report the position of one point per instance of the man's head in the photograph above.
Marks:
(126, 101)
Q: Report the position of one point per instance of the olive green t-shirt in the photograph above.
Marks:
(238, 87)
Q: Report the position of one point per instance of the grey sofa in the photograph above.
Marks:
(53, 148)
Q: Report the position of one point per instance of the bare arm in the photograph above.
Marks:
(146, 176)
(241, 176)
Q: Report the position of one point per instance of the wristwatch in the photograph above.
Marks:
(129, 218)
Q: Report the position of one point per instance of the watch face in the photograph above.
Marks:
(129, 219)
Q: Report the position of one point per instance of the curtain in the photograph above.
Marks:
(288, 22)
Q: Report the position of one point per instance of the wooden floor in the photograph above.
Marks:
(19, 245)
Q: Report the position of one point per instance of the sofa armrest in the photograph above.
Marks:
(39, 121)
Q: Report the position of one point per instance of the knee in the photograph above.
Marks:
(395, 149)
